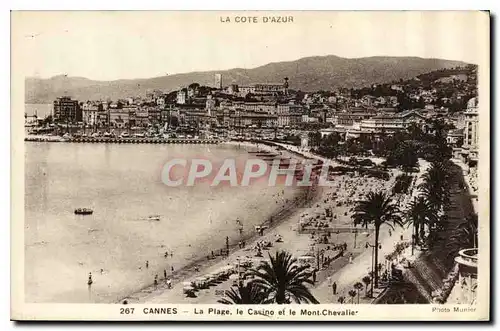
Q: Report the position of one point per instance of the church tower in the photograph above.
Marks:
(285, 86)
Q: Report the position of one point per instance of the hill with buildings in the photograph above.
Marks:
(306, 74)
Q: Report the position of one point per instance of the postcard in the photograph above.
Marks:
(264, 165)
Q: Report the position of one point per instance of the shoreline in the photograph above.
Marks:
(298, 244)
(302, 199)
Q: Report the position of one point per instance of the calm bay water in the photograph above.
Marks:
(122, 184)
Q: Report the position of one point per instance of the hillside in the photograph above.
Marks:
(306, 74)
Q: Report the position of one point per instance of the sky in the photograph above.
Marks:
(112, 45)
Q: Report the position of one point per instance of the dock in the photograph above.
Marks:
(123, 140)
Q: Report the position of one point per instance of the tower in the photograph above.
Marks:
(285, 86)
(218, 81)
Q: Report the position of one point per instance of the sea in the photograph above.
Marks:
(123, 185)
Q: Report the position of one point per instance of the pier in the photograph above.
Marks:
(122, 140)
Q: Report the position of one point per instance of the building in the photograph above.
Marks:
(263, 88)
(455, 137)
(119, 118)
(261, 107)
(353, 116)
(391, 123)
(67, 110)
(250, 118)
(181, 97)
(141, 117)
(218, 81)
(210, 104)
(469, 152)
(89, 113)
(232, 89)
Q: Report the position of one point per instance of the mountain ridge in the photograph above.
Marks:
(311, 73)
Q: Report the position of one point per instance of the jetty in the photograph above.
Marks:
(122, 140)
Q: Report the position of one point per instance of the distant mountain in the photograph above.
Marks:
(306, 74)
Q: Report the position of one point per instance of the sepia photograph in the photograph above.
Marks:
(203, 165)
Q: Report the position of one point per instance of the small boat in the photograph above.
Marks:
(83, 211)
(154, 218)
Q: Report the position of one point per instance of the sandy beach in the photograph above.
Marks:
(296, 230)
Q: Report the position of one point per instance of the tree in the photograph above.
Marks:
(377, 209)
(282, 279)
(420, 214)
(244, 294)
(367, 280)
(314, 138)
(435, 185)
(358, 287)
(194, 86)
(464, 236)
(341, 299)
(352, 294)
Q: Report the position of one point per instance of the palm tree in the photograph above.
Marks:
(435, 185)
(419, 214)
(464, 236)
(282, 279)
(367, 280)
(244, 294)
(358, 287)
(341, 299)
(377, 209)
(352, 294)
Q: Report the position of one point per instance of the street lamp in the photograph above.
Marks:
(355, 237)
(373, 262)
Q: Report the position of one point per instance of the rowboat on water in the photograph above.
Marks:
(83, 211)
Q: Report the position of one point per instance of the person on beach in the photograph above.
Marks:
(172, 268)
(166, 254)
(334, 288)
(89, 282)
(164, 273)
(147, 264)
(156, 281)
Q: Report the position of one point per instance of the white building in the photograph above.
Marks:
(181, 97)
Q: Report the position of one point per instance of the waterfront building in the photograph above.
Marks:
(119, 118)
(67, 110)
(89, 113)
(102, 119)
(142, 117)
